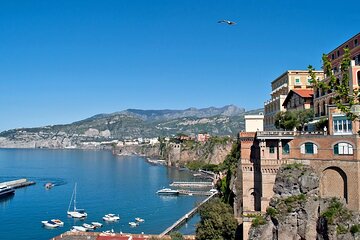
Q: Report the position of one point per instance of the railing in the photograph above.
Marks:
(287, 133)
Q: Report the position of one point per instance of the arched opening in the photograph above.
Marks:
(358, 77)
(334, 183)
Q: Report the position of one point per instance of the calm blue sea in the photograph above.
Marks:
(105, 184)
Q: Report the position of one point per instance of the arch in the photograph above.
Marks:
(358, 76)
(254, 200)
(333, 183)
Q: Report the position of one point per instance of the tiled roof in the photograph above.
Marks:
(305, 93)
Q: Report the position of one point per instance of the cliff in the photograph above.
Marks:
(297, 212)
(178, 154)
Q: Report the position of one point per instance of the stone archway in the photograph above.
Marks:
(333, 183)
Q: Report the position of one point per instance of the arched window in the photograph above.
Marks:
(358, 77)
(286, 149)
(343, 149)
(309, 148)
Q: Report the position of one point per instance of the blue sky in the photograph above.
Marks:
(62, 61)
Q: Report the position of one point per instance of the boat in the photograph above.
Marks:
(111, 217)
(6, 190)
(167, 191)
(50, 224)
(97, 224)
(133, 224)
(140, 220)
(49, 185)
(58, 222)
(80, 228)
(89, 226)
(213, 191)
(75, 213)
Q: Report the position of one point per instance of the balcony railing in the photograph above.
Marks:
(286, 134)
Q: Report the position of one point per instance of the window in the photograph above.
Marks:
(308, 148)
(343, 149)
(297, 81)
(356, 42)
(338, 53)
(342, 125)
(332, 56)
(286, 149)
(271, 149)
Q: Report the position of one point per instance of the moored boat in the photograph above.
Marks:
(133, 224)
(80, 228)
(75, 213)
(58, 222)
(49, 224)
(139, 220)
(111, 217)
(49, 185)
(97, 224)
(168, 191)
(89, 226)
(6, 190)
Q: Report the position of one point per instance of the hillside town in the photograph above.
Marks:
(332, 148)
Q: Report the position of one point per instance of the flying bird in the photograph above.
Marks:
(227, 22)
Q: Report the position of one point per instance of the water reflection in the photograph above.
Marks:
(4, 200)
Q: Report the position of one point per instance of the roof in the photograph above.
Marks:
(304, 93)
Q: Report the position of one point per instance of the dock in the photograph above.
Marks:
(195, 193)
(19, 183)
(192, 184)
(183, 219)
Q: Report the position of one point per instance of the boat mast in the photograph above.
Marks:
(75, 198)
(72, 196)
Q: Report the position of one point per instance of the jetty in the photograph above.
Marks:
(192, 184)
(197, 193)
(184, 218)
(19, 183)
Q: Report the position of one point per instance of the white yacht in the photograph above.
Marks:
(80, 228)
(140, 220)
(168, 191)
(75, 213)
(111, 217)
(6, 190)
(58, 222)
(97, 224)
(133, 224)
(89, 226)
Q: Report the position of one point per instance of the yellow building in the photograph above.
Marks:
(281, 86)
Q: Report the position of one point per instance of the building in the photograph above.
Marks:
(254, 123)
(281, 86)
(334, 154)
(202, 137)
(299, 99)
(323, 100)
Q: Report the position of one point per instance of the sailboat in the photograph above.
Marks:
(75, 213)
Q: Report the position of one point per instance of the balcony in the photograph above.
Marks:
(285, 134)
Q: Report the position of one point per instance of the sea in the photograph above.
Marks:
(124, 185)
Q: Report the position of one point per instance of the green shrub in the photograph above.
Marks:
(355, 228)
(341, 229)
(176, 236)
(271, 212)
(258, 220)
(336, 210)
(296, 198)
(293, 166)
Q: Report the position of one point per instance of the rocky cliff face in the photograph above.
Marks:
(179, 154)
(297, 212)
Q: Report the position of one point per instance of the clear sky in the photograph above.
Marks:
(62, 61)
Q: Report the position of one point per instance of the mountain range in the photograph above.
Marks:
(134, 123)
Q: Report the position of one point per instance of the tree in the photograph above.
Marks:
(217, 221)
(176, 236)
(344, 97)
(290, 119)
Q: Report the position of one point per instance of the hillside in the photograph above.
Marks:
(130, 124)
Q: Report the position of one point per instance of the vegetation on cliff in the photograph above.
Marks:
(217, 221)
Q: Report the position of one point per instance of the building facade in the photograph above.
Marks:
(281, 86)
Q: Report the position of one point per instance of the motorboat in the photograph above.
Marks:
(80, 228)
(133, 224)
(6, 190)
(49, 185)
(89, 226)
(140, 220)
(213, 191)
(168, 191)
(97, 224)
(111, 217)
(75, 213)
(50, 224)
(108, 233)
(58, 222)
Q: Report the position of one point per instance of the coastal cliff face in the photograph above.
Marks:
(297, 212)
(182, 153)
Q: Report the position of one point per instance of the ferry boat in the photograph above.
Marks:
(6, 190)
(168, 191)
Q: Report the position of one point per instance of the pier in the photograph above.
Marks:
(192, 184)
(183, 219)
(19, 183)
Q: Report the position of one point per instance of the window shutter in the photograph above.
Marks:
(302, 148)
(315, 148)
